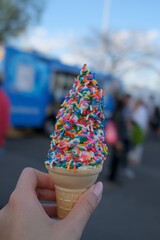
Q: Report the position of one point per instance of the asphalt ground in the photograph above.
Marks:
(128, 211)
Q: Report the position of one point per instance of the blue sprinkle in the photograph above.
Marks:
(56, 149)
(98, 161)
(68, 124)
(78, 109)
(93, 116)
(85, 89)
(62, 132)
(79, 100)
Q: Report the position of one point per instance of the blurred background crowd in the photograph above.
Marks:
(43, 45)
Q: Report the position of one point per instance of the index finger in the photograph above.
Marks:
(31, 178)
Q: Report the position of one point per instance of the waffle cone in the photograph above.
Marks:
(69, 186)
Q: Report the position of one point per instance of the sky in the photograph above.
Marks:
(81, 16)
(65, 22)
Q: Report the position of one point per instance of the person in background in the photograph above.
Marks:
(151, 107)
(122, 120)
(155, 121)
(126, 116)
(158, 131)
(116, 144)
(140, 121)
(4, 116)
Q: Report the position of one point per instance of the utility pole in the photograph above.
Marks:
(104, 31)
(105, 17)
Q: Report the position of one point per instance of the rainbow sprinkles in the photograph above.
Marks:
(77, 141)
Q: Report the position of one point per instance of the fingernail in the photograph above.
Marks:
(97, 190)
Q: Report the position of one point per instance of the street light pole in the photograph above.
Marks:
(105, 17)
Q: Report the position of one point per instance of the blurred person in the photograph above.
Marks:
(126, 116)
(24, 217)
(114, 138)
(4, 116)
(151, 108)
(156, 119)
(140, 120)
(120, 150)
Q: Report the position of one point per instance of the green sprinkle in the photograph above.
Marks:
(92, 164)
(81, 149)
(71, 163)
(76, 129)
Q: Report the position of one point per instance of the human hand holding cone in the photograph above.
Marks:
(77, 150)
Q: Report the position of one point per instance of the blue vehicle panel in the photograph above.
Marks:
(26, 82)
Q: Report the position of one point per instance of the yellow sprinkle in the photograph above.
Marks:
(64, 104)
(105, 151)
(106, 148)
(95, 82)
(59, 122)
(88, 72)
(91, 162)
(86, 98)
(77, 105)
(90, 154)
(68, 167)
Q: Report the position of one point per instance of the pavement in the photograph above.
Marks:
(127, 211)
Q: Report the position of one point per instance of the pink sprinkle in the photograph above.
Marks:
(97, 112)
(90, 75)
(69, 101)
(84, 135)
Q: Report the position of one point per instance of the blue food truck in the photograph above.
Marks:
(36, 86)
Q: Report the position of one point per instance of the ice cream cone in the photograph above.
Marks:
(70, 185)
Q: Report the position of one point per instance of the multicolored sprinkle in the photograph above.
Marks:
(77, 141)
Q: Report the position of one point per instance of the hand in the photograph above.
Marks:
(24, 217)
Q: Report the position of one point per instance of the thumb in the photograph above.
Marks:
(85, 206)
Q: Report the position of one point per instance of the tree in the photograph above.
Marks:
(17, 15)
(119, 52)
